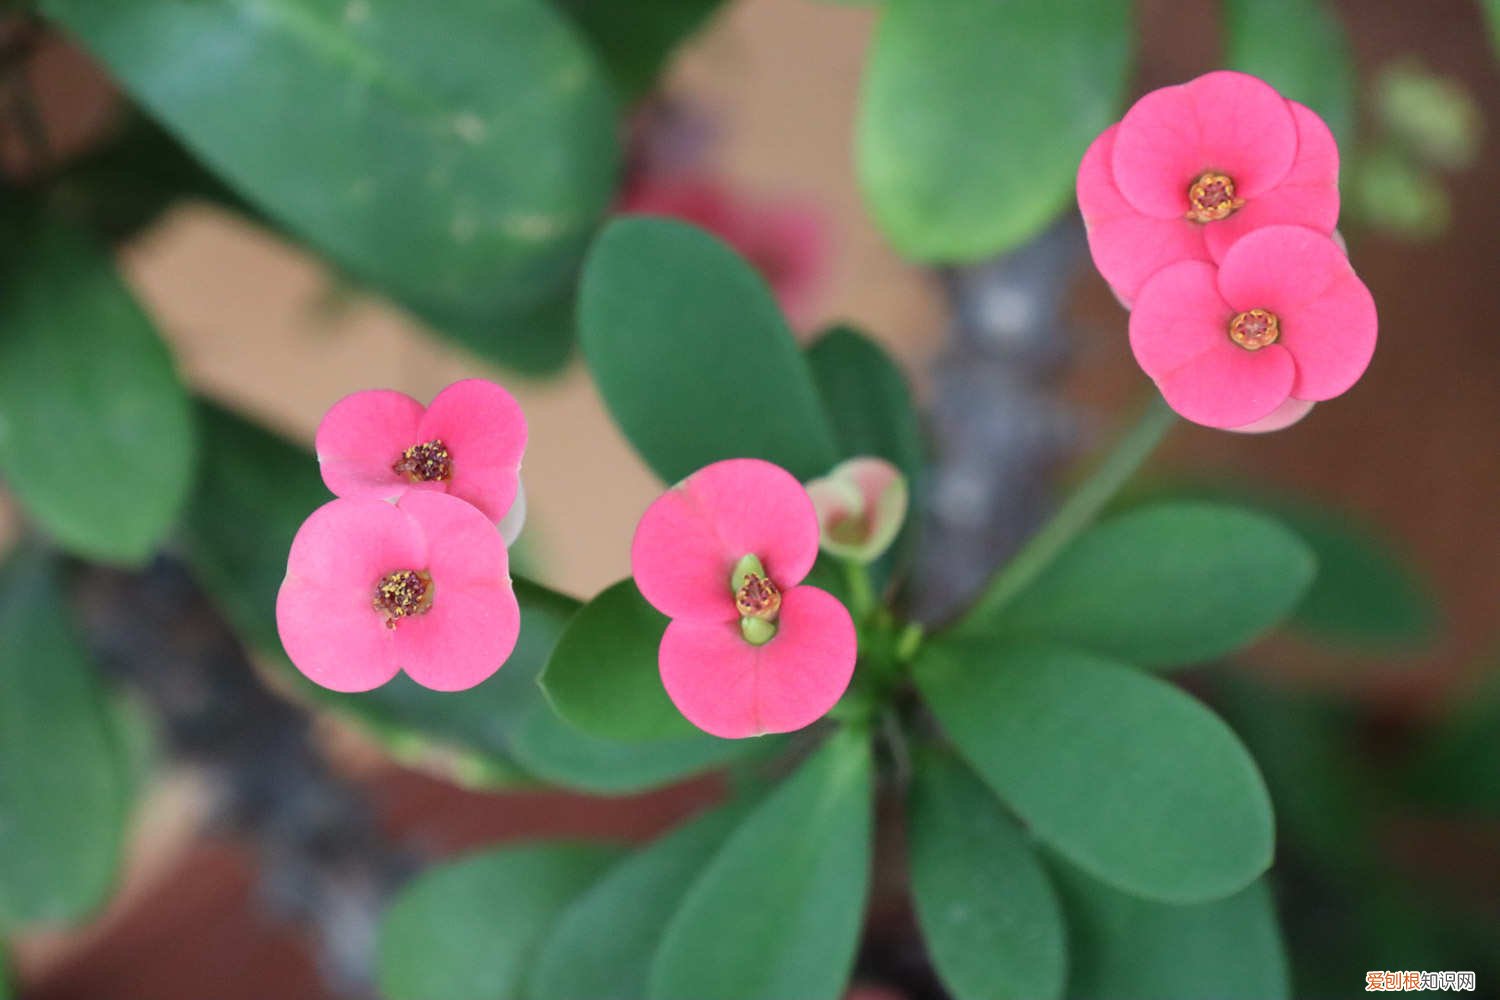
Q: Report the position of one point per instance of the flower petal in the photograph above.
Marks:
(1307, 196)
(1178, 315)
(1279, 268)
(1222, 121)
(1128, 246)
(353, 543)
(1229, 387)
(729, 688)
(485, 431)
(361, 437)
(690, 538)
(467, 635)
(1284, 416)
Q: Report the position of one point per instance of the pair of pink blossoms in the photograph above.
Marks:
(408, 568)
(1210, 209)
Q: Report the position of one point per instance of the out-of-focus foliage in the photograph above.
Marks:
(64, 774)
(1300, 48)
(635, 40)
(973, 117)
(456, 156)
(96, 432)
(470, 929)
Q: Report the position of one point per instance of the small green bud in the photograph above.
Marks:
(757, 631)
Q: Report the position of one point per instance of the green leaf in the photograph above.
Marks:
(96, 433)
(1126, 948)
(985, 905)
(1492, 12)
(1299, 47)
(468, 930)
(974, 117)
(636, 40)
(867, 400)
(1165, 585)
(778, 911)
(1365, 595)
(603, 677)
(64, 779)
(603, 944)
(458, 156)
(1456, 769)
(1123, 774)
(693, 356)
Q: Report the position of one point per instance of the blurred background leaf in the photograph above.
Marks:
(470, 929)
(693, 356)
(988, 915)
(1126, 948)
(457, 157)
(64, 774)
(1120, 772)
(96, 432)
(636, 40)
(778, 911)
(973, 117)
(1300, 48)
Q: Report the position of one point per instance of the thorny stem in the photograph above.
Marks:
(1076, 513)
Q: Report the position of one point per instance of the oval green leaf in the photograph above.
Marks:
(777, 912)
(693, 356)
(1132, 949)
(469, 930)
(1300, 48)
(637, 40)
(64, 778)
(1165, 585)
(96, 432)
(603, 944)
(603, 677)
(1121, 773)
(457, 156)
(988, 914)
(974, 117)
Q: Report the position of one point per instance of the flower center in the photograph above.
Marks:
(401, 594)
(425, 463)
(1211, 198)
(1254, 329)
(756, 598)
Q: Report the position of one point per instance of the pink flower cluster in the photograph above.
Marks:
(407, 569)
(1210, 210)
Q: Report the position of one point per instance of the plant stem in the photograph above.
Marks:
(1076, 513)
(861, 594)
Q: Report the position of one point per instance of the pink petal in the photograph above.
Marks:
(1328, 318)
(485, 432)
(361, 437)
(1307, 196)
(467, 634)
(1178, 315)
(1230, 387)
(1223, 121)
(729, 688)
(689, 540)
(324, 614)
(463, 547)
(1284, 416)
(1127, 246)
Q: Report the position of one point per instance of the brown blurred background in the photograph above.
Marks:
(1412, 449)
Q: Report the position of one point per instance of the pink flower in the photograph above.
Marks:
(748, 650)
(1190, 169)
(422, 585)
(1281, 323)
(786, 243)
(381, 444)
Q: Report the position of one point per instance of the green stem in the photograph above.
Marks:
(861, 594)
(1076, 513)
